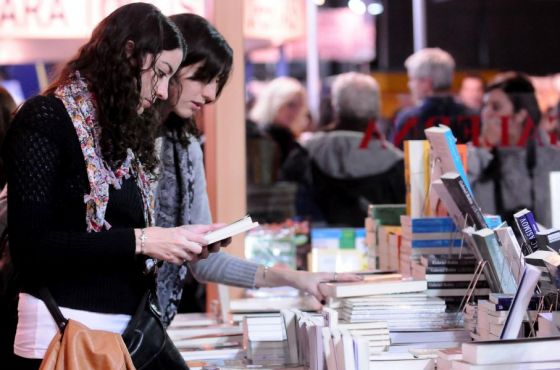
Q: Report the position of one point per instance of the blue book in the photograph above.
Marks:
(444, 145)
(436, 243)
(493, 221)
(430, 224)
(528, 229)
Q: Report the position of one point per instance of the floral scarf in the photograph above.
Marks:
(80, 104)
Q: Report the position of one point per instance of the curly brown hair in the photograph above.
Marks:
(115, 77)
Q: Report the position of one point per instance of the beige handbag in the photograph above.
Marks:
(76, 347)
(80, 348)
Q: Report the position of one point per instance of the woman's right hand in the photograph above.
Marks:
(175, 245)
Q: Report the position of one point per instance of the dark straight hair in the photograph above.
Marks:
(208, 46)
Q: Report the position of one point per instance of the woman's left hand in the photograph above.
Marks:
(310, 282)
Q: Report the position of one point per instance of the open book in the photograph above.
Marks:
(237, 227)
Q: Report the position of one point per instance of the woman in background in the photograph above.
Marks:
(501, 169)
(181, 193)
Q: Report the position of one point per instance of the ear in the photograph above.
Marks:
(521, 116)
(129, 48)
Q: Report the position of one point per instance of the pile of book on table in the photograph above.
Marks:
(512, 354)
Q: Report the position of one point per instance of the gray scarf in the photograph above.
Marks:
(174, 203)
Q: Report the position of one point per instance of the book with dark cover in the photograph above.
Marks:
(548, 239)
(528, 228)
(450, 269)
(464, 199)
(455, 284)
(447, 260)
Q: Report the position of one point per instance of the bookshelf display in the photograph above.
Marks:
(455, 283)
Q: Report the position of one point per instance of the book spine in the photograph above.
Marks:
(452, 145)
(450, 269)
(528, 229)
(465, 201)
(434, 260)
(455, 284)
(430, 225)
(435, 243)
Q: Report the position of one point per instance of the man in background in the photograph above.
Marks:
(430, 76)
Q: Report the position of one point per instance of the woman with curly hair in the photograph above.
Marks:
(181, 196)
(79, 160)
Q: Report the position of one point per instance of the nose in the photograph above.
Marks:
(162, 89)
(209, 92)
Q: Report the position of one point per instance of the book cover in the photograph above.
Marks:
(457, 269)
(446, 154)
(549, 239)
(341, 290)
(511, 351)
(528, 228)
(429, 224)
(417, 176)
(387, 214)
(447, 260)
(234, 228)
(464, 199)
(489, 247)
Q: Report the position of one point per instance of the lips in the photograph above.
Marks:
(196, 105)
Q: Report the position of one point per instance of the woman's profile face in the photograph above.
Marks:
(288, 112)
(156, 75)
(190, 95)
(497, 111)
(496, 105)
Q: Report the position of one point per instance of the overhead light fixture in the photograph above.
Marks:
(357, 6)
(319, 2)
(375, 8)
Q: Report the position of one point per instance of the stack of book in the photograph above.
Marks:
(380, 216)
(427, 235)
(265, 340)
(492, 314)
(513, 354)
(549, 324)
(449, 276)
(202, 340)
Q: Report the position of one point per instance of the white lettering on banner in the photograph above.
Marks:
(68, 19)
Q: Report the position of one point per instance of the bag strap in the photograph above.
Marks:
(53, 308)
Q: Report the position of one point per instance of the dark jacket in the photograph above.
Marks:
(344, 178)
(410, 123)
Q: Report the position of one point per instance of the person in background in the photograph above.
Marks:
(181, 195)
(345, 177)
(281, 113)
(430, 76)
(8, 290)
(501, 168)
(79, 160)
(7, 110)
(472, 92)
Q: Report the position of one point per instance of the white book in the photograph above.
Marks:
(405, 364)
(221, 354)
(234, 228)
(511, 351)
(461, 365)
(520, 302)
(341, 290)
(555, 198)
(328, 348)
(216, 331)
